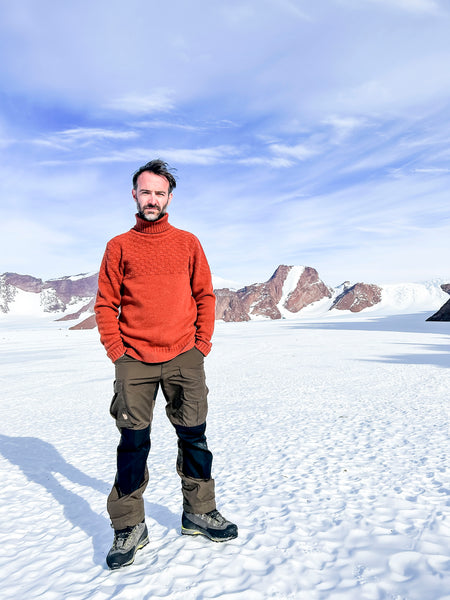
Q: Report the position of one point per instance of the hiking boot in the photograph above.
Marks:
(126, 543)
(211, 524)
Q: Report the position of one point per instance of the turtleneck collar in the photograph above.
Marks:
(159, 226)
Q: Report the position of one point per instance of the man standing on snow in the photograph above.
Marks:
(155, 314)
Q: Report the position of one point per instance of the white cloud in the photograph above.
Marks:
(81, 136)
(433, 170)
(91, 133)
(200, 156)
(416, 6)
(344, 126)
(167, 125)
(297, 152)
(193, 156)
(266, 161)
(291, 8)
(161, 100)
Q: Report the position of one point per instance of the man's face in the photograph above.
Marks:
(152, 196)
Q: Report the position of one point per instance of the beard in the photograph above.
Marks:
(153, 215)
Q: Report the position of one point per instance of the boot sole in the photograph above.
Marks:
(185, 531)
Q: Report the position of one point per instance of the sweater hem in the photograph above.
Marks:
(159, 355)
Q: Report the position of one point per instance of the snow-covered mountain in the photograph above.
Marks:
(292, 291)
(27, 295)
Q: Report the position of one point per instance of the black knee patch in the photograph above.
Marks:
(194, 457)
(132, 454)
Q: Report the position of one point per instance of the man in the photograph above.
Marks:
(155, 314)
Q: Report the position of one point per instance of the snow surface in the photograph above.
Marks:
(331, 444)
(24, 303)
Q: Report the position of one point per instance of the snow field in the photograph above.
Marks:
(330, 442)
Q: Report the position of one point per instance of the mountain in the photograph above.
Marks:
(357, 297)
(24, 294)
(288, 290)
(291, 291)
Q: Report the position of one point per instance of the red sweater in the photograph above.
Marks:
(155, 297)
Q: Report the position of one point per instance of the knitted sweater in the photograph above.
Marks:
(155, 297)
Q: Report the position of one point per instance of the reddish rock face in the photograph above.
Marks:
(88, 323)
(89, 307)
(358, 297)
(27, 283)
(229, 306)
(310, 288)
(262, 299)
(276, 282)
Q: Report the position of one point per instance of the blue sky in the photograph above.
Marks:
(308, 133)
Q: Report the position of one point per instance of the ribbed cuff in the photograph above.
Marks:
(116, 352)
(204, 347)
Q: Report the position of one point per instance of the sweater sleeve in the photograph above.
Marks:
(107, 304)
(202, 291)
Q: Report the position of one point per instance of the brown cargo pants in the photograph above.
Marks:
(182, 382)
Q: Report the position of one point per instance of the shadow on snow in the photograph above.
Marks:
(437, 354)
(40, 461)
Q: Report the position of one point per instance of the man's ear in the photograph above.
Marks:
(133, 191)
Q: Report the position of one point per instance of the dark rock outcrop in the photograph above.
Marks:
(443, 314)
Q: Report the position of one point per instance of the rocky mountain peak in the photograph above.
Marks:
(288, 289)
(357, 297)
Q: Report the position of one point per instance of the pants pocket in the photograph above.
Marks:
(119, 408)
(193, 403)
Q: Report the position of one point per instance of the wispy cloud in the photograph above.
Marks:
(432, 7)
(299, 152)
(291, 8)
(161, 100)
(266, 161)
(201, 126)
(82, 136)
(433, 170)
(167, 125)
(190, 156)
(345, 125)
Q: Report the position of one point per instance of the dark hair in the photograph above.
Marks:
(158, 167)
